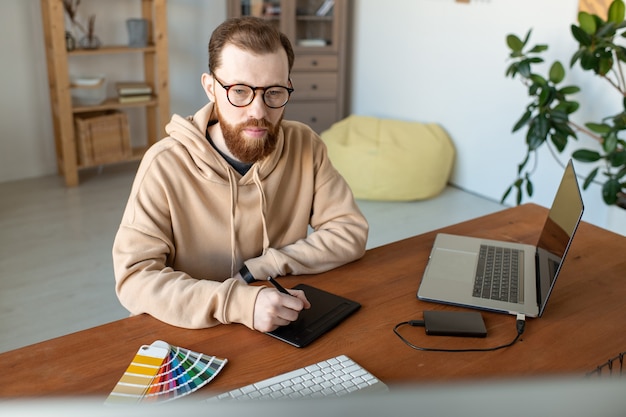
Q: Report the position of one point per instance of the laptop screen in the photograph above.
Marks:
(557, 233)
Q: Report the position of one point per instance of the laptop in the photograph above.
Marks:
(463, 270)
(327, 311)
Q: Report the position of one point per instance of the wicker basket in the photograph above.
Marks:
(102, 137)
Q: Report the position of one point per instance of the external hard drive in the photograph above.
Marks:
(454, 323)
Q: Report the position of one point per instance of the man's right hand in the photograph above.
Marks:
(274, 309)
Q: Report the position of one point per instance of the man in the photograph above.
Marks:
(228, 197)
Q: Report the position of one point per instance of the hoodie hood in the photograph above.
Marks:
(190, 132)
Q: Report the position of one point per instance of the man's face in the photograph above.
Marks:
(249, 141)
(250, 133)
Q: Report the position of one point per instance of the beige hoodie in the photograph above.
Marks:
(191, 222)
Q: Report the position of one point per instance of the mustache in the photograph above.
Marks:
(256, 123)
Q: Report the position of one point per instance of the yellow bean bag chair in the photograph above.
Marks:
(392, 160)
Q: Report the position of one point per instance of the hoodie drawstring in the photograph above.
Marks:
(233, 245)
(257, 181)
(233, 203)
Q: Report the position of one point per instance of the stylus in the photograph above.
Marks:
(278, 286)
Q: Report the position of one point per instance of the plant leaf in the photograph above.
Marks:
(511, 70)
(616, 12)
(590, 178)
(581, 36)
(529, 186)
(607, 29)
(610, 142)
(577, 55)
(506, 194)
(568, 107)
(557, 72)
(618, 159)
(545, 97)
(605, 65)
(587, 23)
(598, 127)
(559, 140)
(610, 190)
(522, 121)
(527, 37)
(586, 155)
(514, 43)
(524, 68)
(538, 48)
(588, 61)
(537, 132)
(570, 89)
(522, 164)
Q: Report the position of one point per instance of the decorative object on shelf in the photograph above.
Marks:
(137, 33)
(70, 41)
(133, 91)
(547, 116)
(88, 90)
(102, 137)
(326, 8)
(71, 11)
(90, 40)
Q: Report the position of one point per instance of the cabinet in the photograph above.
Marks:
(64, 113)
(318, 31)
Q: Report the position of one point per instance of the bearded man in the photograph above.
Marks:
(232, 195)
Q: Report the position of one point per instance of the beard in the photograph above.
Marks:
(249, 150)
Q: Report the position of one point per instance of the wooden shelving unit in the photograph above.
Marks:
(320, 44)
(155, 73)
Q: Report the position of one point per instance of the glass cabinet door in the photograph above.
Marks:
(315, 24)
(271, 10)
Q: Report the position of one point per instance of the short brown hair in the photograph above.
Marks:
(249, 33)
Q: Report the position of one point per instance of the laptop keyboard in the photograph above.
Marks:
(498, 274)
(333, 377)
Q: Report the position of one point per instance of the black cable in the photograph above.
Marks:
(520, 324)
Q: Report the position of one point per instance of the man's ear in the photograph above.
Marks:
(207, 85)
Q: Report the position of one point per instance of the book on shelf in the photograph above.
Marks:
(325, 8)
(134, 98)
(125, 88)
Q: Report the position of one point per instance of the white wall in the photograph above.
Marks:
(423, 60)
(442, 61)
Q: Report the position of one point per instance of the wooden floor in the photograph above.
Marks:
(56, 274)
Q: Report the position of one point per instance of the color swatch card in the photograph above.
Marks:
(162, 372)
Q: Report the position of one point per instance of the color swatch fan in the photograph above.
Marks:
(162, 372)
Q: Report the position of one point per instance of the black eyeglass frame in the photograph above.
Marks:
(254, 89)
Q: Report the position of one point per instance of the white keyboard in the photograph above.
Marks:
(333, 377)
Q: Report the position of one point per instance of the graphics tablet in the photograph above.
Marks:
(327, 310)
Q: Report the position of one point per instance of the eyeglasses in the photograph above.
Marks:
(241, 95)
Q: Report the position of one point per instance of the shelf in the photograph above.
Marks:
(136, 155)
(314, 18)
(112, 49)
(113, 103)
(64, 113)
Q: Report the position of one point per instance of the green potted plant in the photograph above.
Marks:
(547, 116)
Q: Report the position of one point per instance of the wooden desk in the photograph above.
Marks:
(582, 327)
